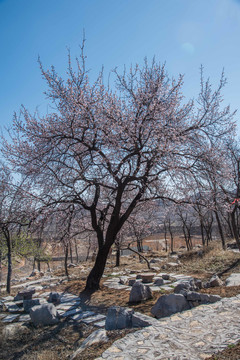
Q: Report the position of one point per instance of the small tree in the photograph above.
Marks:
(15, 210)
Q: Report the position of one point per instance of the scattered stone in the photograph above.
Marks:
(71, 265)
(138, 277)
(45, 314)
(8, 298)
(193, 296)
(198, 283)
(123, 280)
(35, 272)
(70, 298)
(169, 304)
(8, 305)
(215, 281)
(100, 324)
(141, 320)
(147, 277)
(140, 292)
(10, 318)
(24, 318)
(98, 336)
(82, 315)
(155, 268)
(15, 309)
(131, 282)
(28, 304)
(118, 318)
(158, 282)
(233, 280)
(171, 265)
(206, 299)
(54, 298)
(155, 260)
(94, 318)
(71, 312)
(183, 286)
(166, 277)
(25, 294)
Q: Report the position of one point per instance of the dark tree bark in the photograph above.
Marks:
(66, 260)
(165, 235)
(71, 253)
(235, 228)
(171, 234)
(9, 274)
(118, 254)
(202, 232)
(76, 251)
(220, 230)
(0, 269)
(93, 280)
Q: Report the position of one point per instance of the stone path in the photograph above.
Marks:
(191, 335)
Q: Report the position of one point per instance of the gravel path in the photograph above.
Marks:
(194, 334)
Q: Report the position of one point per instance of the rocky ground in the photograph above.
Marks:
(22, 340)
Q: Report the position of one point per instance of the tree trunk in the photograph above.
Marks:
(0, 270)
(118, 251)
(66, 260)
(76, 252)
(235, 229)
(220, 230)
(186, 238)
(171, 235)
(139, 244)
(140, 256)
(39, 265)
(93, 280)
(165, 236)
(9, 274)
(88, 249)
(202, 232)
(71, 253)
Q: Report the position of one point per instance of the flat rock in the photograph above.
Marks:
(7, 298)
(10, 318)
(94, 318)
(71, 312)
(147, 277)
(24, 318)
(100, 324)
(82, 315)
(233, 280)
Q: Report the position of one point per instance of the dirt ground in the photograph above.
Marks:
(61, 340)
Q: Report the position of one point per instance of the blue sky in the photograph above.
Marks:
(182, 33)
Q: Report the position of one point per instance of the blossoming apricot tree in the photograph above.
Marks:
(107, 150)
